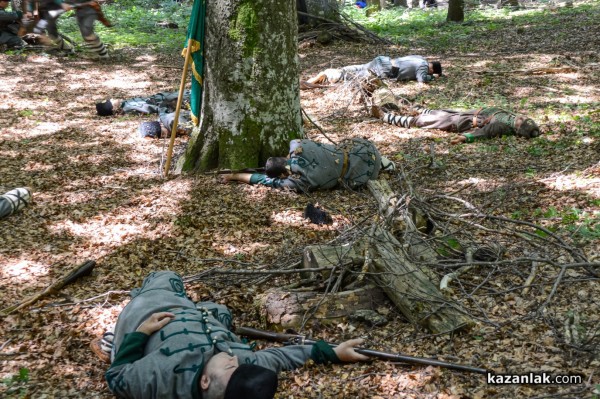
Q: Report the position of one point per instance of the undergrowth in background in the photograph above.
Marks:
(416, 28)
(136, 24)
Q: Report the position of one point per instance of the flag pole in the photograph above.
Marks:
(178, 108)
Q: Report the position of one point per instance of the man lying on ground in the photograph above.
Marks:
(165, 346)
(311, 166)
(474, 125)
(411, 67)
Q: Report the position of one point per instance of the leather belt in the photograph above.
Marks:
(345, 165)
(475, 117)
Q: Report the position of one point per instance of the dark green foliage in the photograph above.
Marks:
(136, 24)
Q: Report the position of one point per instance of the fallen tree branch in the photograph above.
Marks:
(451, 276)
(530, 278)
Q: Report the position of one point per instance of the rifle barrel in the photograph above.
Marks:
(419, 360)
(296, 339)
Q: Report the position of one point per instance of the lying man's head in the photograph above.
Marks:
(526, 127)
(276, 167)
(224, 378)
(435, 67)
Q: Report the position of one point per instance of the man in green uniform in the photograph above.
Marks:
(312, 165)
(474, 125)
(165, 346)
(9, 26)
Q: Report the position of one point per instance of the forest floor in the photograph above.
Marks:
(99, 194)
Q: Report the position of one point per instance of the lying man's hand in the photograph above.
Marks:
(458, 139)
(155, 322)
(346, 353)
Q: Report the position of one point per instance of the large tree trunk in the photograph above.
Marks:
(456, 11)
(251, 104)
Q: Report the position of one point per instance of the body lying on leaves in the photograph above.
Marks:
(166, 346)
(311, 166)
(477, 124)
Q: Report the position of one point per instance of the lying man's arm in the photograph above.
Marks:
(259, 178)
(491, 130)
(294, 356)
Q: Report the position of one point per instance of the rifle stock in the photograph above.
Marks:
(296, 339)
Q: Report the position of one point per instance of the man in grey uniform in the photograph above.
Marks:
(312, 165)
(411, 67)
(165, 346)
(86, 16)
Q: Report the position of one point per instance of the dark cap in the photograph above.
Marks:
(437, 67)
(104, 108)
(249, 381)
(149, 130)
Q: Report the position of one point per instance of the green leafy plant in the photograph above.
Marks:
(22, 376)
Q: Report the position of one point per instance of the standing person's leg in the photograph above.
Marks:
(47, 25)
(12, 40)
(59, 42)
(85, 18)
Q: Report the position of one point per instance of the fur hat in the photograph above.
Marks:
(149, 130)
(249, 381)
(105, 108)
(316, 215)
(437, 67)
(526, 127)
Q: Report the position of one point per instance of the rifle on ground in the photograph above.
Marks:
(230, 171)
(295, 339)
(82, 270)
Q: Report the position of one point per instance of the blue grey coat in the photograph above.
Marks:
(169, 363)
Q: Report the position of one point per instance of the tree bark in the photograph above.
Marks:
(316, 256)
(410, 288)
(251, 98)
(456, 11)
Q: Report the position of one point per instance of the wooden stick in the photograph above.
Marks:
(188, 53)
(82, 270)
(529, 280)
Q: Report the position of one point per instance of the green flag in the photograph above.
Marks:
(195, 35)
